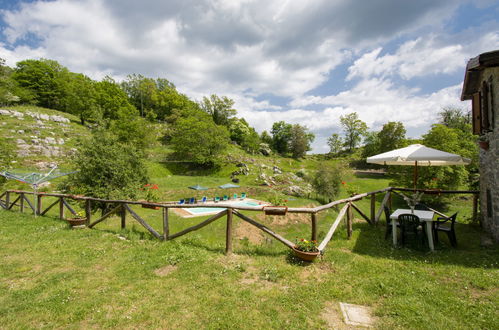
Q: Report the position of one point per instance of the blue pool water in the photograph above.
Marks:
(201, 210)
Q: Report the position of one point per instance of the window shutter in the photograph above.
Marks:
(475, 112)
(485, 107)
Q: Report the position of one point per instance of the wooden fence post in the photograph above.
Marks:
(38, 204)
(166, 228)
(61, 208)
(123, 216)
(228, 237)
(349, 221)
(373, 207)
(88, 211)
(21, 202)
(7, 200)
(475, 208)
(314, 226)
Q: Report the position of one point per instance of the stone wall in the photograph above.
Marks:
(489, 163)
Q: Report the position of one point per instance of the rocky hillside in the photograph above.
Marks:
(41, 137)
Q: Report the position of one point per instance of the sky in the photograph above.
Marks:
(305, 62)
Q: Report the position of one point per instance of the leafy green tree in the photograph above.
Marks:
(455, 118)
(107, 168)
(281, 137)
(112, 101)
(199, 141)
(300, 141)
(80, 98)
(7, 155)
(46, 79)
(372, 144)
(266, 138)
(354, 129)
(391, 136)
(244, 135)
(154, 96)
(335, 143)
(220, 108)
(327, 180)
(10, 92)
(133, 130)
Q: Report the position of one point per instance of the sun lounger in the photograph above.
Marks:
(226, 198)
(216, 199)
(204, 199)
(182, 201)
(192, 200)
(235, 196)
(243, 195)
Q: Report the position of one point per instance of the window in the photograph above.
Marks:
(482, 110)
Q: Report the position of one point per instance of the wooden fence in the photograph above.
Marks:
(17, 198)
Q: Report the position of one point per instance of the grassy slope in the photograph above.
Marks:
(56, 277)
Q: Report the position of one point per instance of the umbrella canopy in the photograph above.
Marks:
(424, 156)
(228, 185)
(198, 187)
(418, 155)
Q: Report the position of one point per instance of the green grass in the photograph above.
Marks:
(52, 276)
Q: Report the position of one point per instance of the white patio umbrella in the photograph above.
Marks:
(418, 155)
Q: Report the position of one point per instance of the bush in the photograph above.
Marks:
(327, 180)
(107, 169)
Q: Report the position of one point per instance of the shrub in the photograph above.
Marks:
(107, 169)
(327, 180)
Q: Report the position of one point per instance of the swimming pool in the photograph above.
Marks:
(209, 210)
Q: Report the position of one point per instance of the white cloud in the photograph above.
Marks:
(254, 50)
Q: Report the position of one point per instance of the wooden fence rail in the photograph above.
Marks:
(123, 207)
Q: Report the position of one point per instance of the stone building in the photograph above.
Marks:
(481, 86)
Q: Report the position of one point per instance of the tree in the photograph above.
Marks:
(372, 144)
(335, 143)
(112, 101)
(10, 92)
(107, 168)
(266, 138)
(455, 118)
(199, 141)
(79, 98)
(133, 130)
(391, 136)
(300, 141)
(281, 136)
(354, 129)
(327, 180)
(220, 108)
(46, 79)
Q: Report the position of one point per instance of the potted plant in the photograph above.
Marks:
(78, 220)
(152, 195)
(306, 250)
(483, 142)
(413, 200)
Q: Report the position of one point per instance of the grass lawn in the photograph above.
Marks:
(52, 276)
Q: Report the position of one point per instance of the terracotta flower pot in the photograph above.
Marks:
(79, 221)
(484, 145)
(146, 206)
(306, 256)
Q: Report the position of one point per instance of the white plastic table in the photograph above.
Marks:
(424, 216)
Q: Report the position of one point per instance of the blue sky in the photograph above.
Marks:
(306, 62)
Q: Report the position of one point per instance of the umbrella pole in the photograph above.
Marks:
(415, 175)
